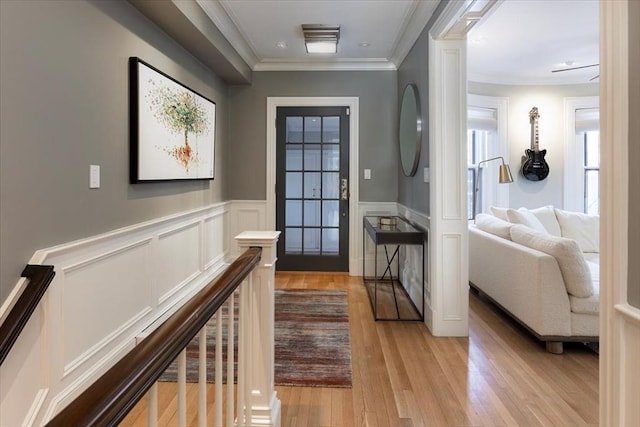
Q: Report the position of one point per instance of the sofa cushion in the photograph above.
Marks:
(593, 261)
(547, 216)
(499, 212)
(582, 228)
(525, 217)
(575, 271)
(589, 305)
(494, 225)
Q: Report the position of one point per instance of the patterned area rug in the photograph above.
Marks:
(312, 346)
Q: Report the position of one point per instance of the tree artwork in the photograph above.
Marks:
(181, 113)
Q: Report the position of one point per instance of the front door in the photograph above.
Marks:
(312, 188)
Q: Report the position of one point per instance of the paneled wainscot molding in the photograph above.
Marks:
(107, 290)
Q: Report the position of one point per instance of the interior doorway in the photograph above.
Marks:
(354, 218)
(312, 191)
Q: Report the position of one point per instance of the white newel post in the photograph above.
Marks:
(264, 401)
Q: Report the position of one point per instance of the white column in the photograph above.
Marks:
(448, 314)
(264, 400)
(619, 320)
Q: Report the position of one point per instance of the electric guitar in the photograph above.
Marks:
(535, 168)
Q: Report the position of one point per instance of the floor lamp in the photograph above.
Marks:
(504, 178)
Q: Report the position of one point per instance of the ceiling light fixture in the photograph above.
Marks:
(321, 38)
(364, 44)
(281, 45)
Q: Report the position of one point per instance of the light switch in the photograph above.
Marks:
(94, 176)
(426, 174)
(367, 174)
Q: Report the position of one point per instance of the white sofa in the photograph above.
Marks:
(542, 267)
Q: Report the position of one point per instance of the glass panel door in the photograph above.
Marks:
(312, 213)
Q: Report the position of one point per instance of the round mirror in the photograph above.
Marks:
(410, 130)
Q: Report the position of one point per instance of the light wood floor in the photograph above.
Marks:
(403, 376)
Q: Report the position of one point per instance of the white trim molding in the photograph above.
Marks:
(411, 270)
(367, 64)
(365, 248)
(501, 106)
(449, 254)
(244, 215)
(573, 155)
(619, 321)
(354, 113)
(219, 15)
(416, 22)
(108, 289)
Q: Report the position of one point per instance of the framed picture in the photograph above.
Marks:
(172, 128)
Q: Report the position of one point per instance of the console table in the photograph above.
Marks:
(393, 231)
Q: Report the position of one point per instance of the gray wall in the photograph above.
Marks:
(246, 168)
(413, 191)
(633, 281)
(64, 106)
(550, 102)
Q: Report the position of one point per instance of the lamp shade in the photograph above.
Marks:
(504, 177)
(505, 174)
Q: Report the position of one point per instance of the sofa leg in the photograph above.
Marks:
(554, 347)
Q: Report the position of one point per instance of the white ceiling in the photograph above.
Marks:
(517, 42)
(521, 41)
(255, 27)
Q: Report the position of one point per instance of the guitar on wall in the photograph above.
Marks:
(535, 168)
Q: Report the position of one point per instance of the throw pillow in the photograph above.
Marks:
(525, 218)
(574, 268)
(499, 212)
(582, 228)
(493, 225)
(547, 216)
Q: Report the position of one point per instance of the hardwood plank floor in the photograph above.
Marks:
(403, 376)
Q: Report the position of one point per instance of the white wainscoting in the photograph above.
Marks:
(411, 271)
(370, 209)
(411, 255)
(108, 289)
(245, 215)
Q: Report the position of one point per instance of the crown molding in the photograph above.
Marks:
(417, 21)
(515, 81)
(224, 21)
(219, 16)
(369, 64)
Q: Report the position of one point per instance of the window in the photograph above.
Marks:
(591, 171)
(582, 155)
(486, 138)
(478, 142)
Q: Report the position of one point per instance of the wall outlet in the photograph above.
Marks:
(94, 176)
(367, 174)
(426, 174)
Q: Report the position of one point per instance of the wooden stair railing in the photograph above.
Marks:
(40, 276)
(107, 401)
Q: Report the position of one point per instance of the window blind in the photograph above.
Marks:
(482, 119)
(587, 119)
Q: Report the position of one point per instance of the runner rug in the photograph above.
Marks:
(312, 346)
